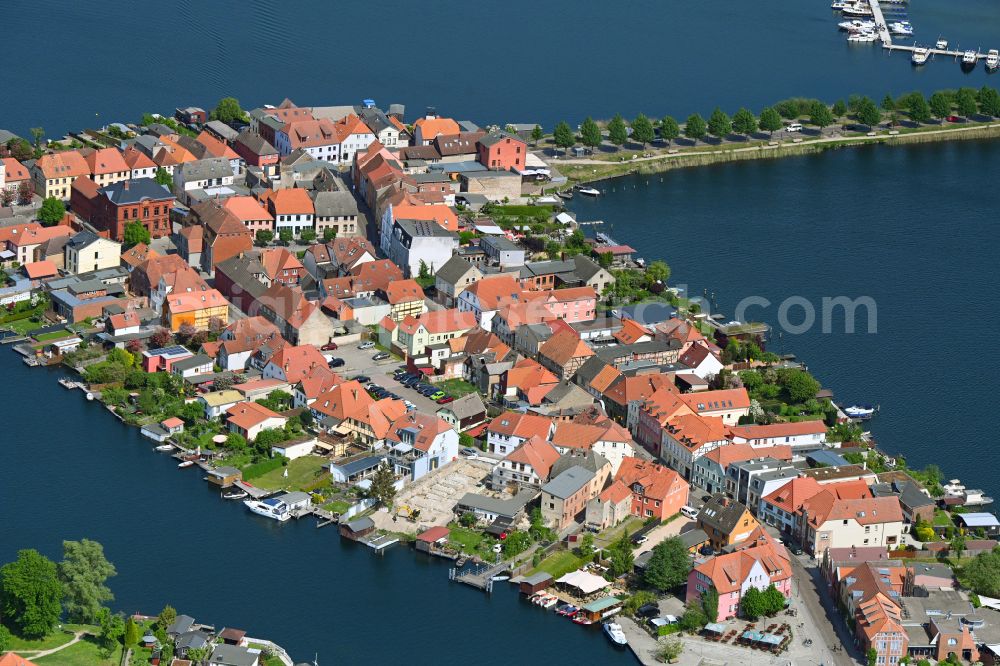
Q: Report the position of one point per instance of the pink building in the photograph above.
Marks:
(572, 305)
(761, 562)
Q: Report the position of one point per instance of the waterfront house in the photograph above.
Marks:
(249, 419)
(701, 360)
(420, 443)
(731, 405)
(760, 563)
(297, 447)
(726, 521)
(216, 403)
(914, 500)
(511, 429)
(502, 151)
(225, 654)
(488, 509)
(984, 521)
(565, 497)
(199, 364)
(54, 173)
(224, 476)
(356, 469)
(528, 465)
(802, 436)
(828, 521)
(163, 430)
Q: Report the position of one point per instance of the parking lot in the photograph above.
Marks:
(358, 362)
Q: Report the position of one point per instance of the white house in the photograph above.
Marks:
(485, 298)
(701, 360)
(803, 435)
(249, 419)
(419, 444)
(201, 174)
(86, 251)
(199, 364)
(295, 448)
(411, 244)
(217, 402)
(512, 429)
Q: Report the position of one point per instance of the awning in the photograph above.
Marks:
(584, 581)
(715, 627)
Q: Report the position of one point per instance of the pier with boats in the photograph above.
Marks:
(866, 21)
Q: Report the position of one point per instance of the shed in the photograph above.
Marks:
(602, 608)
(224, 476)
(231, 636)
(535, 583)
(356, 529)
(427, 539)
(296, 501)
(980, 521)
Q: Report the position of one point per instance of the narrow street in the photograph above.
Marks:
(832, 642)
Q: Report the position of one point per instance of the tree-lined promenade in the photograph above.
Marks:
(809, 121)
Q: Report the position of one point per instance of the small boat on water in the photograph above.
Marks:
(862, 37)
(66, 382)
(185, 463)
(837, 4)
(235, 494)
(498, 579)
(861, 412)
(941, 44)
(969, 60)
(582, 619)
(920, 56)
(164, 447)
(857, 9)
(565, 195)
(902, 28)
(992, 60)
(857, 25)
(589, 191)
(615, 633)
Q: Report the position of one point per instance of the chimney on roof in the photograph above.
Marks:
(126, 185)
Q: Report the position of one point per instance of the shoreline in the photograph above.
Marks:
(580, 171)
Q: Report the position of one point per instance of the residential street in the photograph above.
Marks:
(831, 642)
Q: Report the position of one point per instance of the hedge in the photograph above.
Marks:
(263, 467)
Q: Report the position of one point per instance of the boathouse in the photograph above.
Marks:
(534, 583)
(431, 541)
(356, 529)
(224, 476)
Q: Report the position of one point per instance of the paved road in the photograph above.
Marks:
(832, 644)
(658, 534)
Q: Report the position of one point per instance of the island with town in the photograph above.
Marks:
(397, 328)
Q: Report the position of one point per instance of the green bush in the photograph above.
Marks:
(263, 467)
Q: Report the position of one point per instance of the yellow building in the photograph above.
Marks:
(196, 308)
(54, 173)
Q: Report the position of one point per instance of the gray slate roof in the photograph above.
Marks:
(453, 270)
(257, 144)
(335, 204)
(136, 190)
(213, 167)
(569, 482)
(466, 406)
(222, 129)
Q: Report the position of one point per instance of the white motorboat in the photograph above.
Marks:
(863, 412)
(941, 44)
(269, 508)
(862, 37)
(857, 9)
(615, 633)
(970, 58)
(235, 494)
(992, 60)
(901, 28)
(186, 463)
(857, 25)
(920, 56)
(589, 191)
(837, 4)
(164, 447)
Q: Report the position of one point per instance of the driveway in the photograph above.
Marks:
(656, 535)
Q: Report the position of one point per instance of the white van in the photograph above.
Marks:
(689, 512)
(794, 127)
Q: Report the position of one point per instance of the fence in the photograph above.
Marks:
(360, 507)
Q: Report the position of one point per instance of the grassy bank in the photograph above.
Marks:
(595, 170)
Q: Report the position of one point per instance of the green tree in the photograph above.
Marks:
(820, 115)
(710, 604)
(658, 271)
(752, 605)
(799, 384)
(5, 639)
(989, 101)
(770, 120)
(590, 133)
(694, 619)
(867, 113)
(774, 600)
(307, 235)
(20, 149)
(958, 546)
(617, 131)
(112, 631)
(131, 633)
(669, 129)
(563, 136)
(31, 594)
(36, 136)
(871, 656)
(587, 545)
(671, 649)
(285, 235)
(940, 104)
(888, 103)
(668, 566)
(163, 177)
(839, 108)
(537, 134)
(642, 130)
(84, 573)
(744, 122)
(166, 616)
(228, 111)
(917, 108)
(424, 272)
(719, 124)
(622, 558)
(383, 489)
(965, 102)
(695, 127)
(264, 237)
(329, 234)
(983, 573)
(51, 212)
(135, 233)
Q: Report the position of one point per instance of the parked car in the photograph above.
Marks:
(689, 512)
(367, 344)
(469, 451)
(330, 346)
(794, 127)
(648, 610)
(362, 379)
(437, 395)
(336, 362)
(373, 386)
(381, 356)
(445, 400)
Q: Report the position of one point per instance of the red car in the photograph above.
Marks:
(445, 400)
(330, 346)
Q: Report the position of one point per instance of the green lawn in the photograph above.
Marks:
(942, 519)
(337, 506)
(561, 562)
(456, 387)
(54, 335)
(55, 639)
(84, 653)
(466, 539)
(302, 472)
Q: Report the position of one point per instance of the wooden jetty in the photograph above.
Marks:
(480, 575)
(379, 542)
(325, 517)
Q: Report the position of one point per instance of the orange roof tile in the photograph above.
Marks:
(106, 160)
(525, 426)
(248, 415)
(247, 209)
(404, 291)
(192, 301)
(432, 127)
(537, 453)
(563, 347)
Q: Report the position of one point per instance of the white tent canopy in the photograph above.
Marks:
(584, 581)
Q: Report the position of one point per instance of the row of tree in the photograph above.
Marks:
(942, 104)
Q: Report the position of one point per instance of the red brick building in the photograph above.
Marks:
(502, 152)
(225, 235)
(141, 200)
